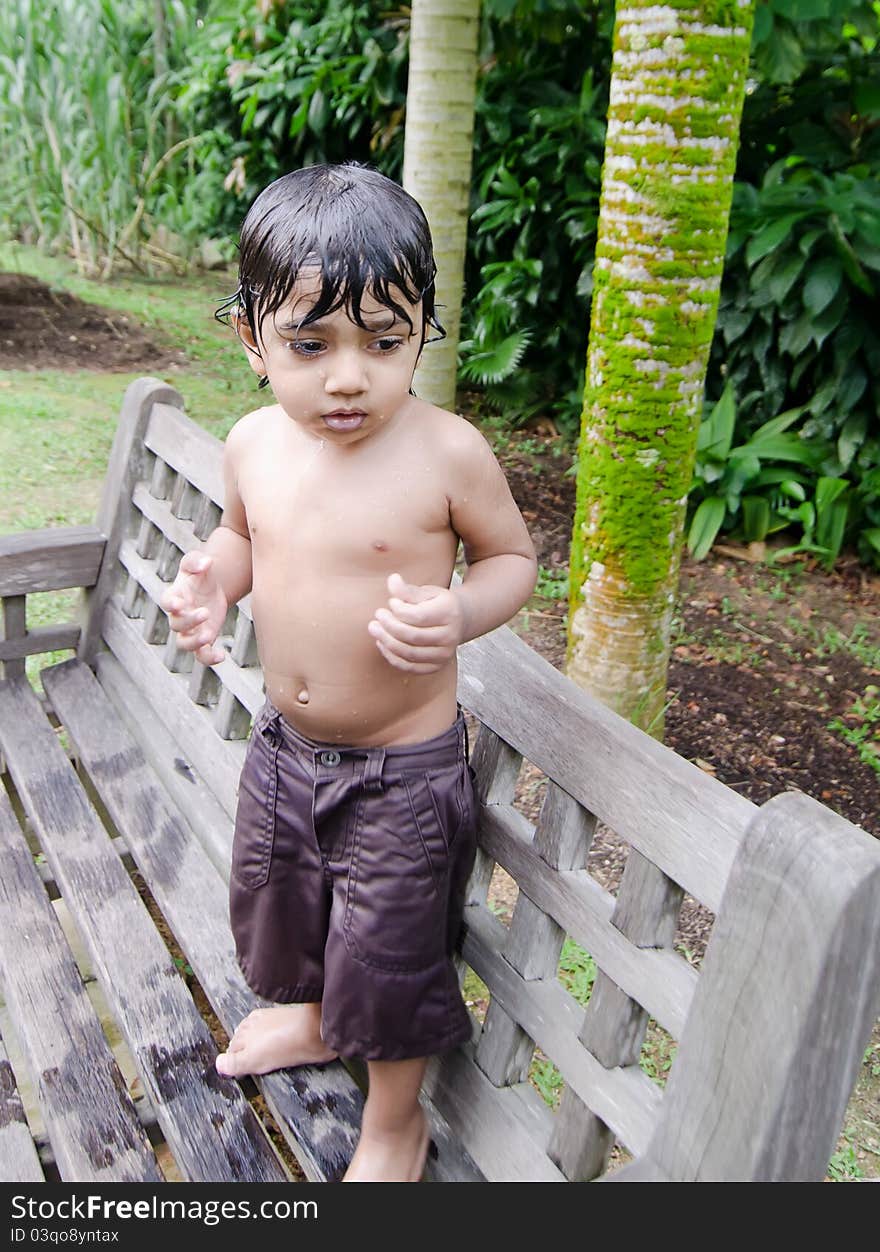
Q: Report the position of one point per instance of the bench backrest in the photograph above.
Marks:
(769, 1031)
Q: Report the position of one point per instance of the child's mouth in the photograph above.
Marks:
(344, 419)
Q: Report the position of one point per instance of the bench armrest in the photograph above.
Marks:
(49, 560)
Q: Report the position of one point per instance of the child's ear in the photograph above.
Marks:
(244, 331)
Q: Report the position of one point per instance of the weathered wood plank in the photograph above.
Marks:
(49, 560)
(218, 761)
(681, 819)
(245, 683)
(615, 1024)
(625, 1098)
(187, 448)
(19, 1161)
(14, 633)
(661, 980)
(491, 1122)
(128, 464)
(788, 994)
(40, 639)
(90, 1120)
(208, 1124)
(191, 796)
(194, 900)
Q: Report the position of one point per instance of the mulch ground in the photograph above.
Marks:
(43, 327)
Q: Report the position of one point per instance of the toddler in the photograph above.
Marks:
(345, 502)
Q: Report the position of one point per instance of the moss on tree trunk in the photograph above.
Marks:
(678, 79)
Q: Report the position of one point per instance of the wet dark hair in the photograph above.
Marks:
(361, 230)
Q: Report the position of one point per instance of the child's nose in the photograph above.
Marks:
(346, 375)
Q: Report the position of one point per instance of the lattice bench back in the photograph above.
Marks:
(163, 494)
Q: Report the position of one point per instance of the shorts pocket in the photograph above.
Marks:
(398, 888)
(255, 816)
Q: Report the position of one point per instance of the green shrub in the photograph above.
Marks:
(93, 157)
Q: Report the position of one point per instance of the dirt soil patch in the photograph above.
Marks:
(42, 327)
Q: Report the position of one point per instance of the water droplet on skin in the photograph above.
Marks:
(303, 697)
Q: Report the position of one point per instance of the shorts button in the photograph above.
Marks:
(330, 758)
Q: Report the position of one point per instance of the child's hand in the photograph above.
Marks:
(421, 627)
(196, 607)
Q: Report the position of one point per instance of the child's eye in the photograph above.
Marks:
(306, 347)
(388, 343)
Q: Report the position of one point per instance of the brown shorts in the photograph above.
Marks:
(349, 867)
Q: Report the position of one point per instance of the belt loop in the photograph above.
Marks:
(373, 770)
(268, 722)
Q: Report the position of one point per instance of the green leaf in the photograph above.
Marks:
(771, 237)
(851, 438)
(497, 363)
(779, 423)
(782, 57)
(705, 526)
(822, 284)
(872, 536)
(828, 490)
(784, 276)
(795, 336)
(716, 433)
(793, 489)
(831, 529)
(786, 447)
(756, 517)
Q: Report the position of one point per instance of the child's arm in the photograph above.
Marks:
(214, 576)
(422, 626)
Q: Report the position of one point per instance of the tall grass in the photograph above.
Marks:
(91, 153)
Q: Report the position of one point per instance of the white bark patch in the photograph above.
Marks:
(648, 457)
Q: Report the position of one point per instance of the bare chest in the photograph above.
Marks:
(325, 513)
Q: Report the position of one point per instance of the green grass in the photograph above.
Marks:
(860, 727)
(56, 427)
(552, 584)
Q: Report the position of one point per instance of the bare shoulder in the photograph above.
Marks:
(455, 439)
(243, 434)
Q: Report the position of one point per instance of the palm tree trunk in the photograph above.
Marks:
(678, 80)
(437, 162)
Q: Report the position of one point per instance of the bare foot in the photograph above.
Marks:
(275, 1038)
(391, 1157)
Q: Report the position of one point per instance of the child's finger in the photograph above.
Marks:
(195, 563)
(408, 633)
(410, 667)
(409, 592)
(420, 651)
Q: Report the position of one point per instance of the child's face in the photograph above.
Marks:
(335, 379)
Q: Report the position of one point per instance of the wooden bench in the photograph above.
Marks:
(770, 1030)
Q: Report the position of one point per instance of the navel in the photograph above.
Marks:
(303, 697)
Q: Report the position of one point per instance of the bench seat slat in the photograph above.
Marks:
(90, 1119)
(193, 898)
(169, 1041)
(687, 823)
(19, 1161)
(219, 762)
